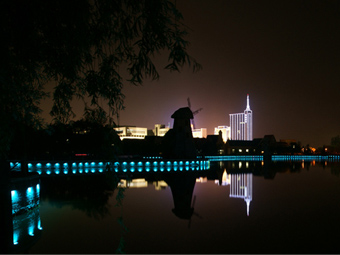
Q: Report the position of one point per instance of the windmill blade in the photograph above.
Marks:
(189, 104)
(197, 111)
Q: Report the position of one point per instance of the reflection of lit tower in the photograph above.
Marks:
(241, 186)
(241, 124)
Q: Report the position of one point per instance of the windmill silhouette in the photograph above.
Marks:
(194, 213)
(193, 113)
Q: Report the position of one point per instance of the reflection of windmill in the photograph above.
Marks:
(193, 113)
(193, 212)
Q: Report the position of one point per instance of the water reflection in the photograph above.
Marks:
(91, 193)
(27, 228)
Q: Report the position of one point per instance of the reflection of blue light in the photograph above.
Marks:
(168, 169)
(175, 168)
(80, 171)
(100, 170)
(132, 169)
(74, 164)
(162, 169)
(175, 162)
(86, 171)
(56, 165)
(86, 164)
(124, 170)
(155, 163)
(31, 229)
(124, 163)
(92, 164)
(66, 172)
(48, 164)
(16, 237)
(39, 172)
(116, 163)
(15, 196)
(155, 169)
(180, 168)
(140, 169)
(39, 224)
(187, 163)
(93, 170)
(147, 169)
(147, 163)
(57, 171)
(168, 163)
(80, 164)
(29, 165)
(65, 164)
(140, 163)
(11, 164)
(100, 163)
(38, 164)
(132, 163)
(187, 168)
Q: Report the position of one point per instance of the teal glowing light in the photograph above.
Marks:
(57, 172)
(80, 164)
(16, 237)
(186, 163)
(29, 165)
(132, 169)
(147, 163)
(100, 170)
(92, 164)
(100, 163)
(65, 172)
(48, 172)
(39, 224)
(48, 164)
(155, 169)
(65, 164)
(168, 163)
(80, 171)
(187, 168)
(56, 164)
(132, 163)
(147, 169)
(140, 163)
(86, 164)
(93, 170)
(31, 229)
(140, 169)
(74, 164)
(38, 164)
(162, 169)
(15, 196)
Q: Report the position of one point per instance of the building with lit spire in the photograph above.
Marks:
(241, 124)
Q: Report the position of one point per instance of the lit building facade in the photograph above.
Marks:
(199, 133)
(226, 135)
(241, 124)
(160, 130)
(129, 132)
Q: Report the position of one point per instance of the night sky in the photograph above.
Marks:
(284, 54)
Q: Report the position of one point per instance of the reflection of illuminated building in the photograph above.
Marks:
(141, 183)
(134, 183)
(241, 124)
(241, 186)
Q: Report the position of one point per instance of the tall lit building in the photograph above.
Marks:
(241, 124)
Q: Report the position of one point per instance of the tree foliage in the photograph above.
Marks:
(89, 48)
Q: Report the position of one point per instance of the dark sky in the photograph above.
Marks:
(284, 54)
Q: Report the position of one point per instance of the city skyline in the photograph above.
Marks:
(283, 53)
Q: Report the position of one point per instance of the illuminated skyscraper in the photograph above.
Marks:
(241, 186)
(241, 124)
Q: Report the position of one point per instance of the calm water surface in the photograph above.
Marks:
(238, 207)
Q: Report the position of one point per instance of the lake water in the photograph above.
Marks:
(232, 207)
